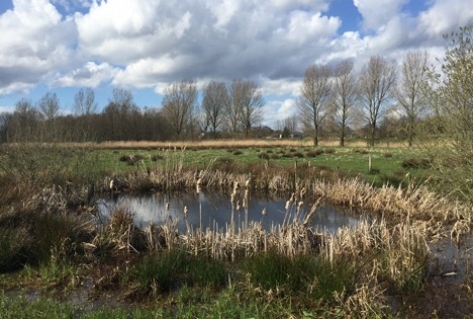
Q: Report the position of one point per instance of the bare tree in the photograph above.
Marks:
(123, 100)
(287, 126)
(215, 102)
(409, 92)
(377, 80)
(24, 122)
(345, 94)
(245, 109)
(49, 105)
(315, 93)
(84, 102)
(178, 104)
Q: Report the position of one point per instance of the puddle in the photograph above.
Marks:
(214, 211)
(450, 261)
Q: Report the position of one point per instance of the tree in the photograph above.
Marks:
(451, 97)
(377, 79)
(287, 126)
(22, 125)
(84, 102)
(315, 93)
(345, 93)
(49, 105)
(179, 102)
(215, 101)
(409, 92)
(245, 109)
(118, 116)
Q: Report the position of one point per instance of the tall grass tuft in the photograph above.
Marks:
(163, 272)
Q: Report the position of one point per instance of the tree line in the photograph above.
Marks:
(381, 100)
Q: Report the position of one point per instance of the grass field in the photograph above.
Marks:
(388, 165)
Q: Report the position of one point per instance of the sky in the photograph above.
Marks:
(60, 46)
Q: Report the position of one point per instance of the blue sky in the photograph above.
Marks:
(145, 45)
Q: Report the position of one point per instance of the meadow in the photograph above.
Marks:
(59, 260)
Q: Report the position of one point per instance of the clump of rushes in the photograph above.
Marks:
(300, 273)
(156, 157)
(165, 271)
(263, 156)
(314, 153)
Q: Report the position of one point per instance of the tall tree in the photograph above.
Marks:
(409, 92)
(314, 97)
(25, 121)
(117, 115)
(377, 80)
(345, 94)
(245, 109)
(451, 97)
(215, 101)
(287, 126)
(179, 102)
(84, 102)
(49, 105)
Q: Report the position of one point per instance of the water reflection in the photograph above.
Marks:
(214, 211)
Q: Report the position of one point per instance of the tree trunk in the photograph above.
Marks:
(372, 135)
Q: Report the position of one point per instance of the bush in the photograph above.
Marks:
(263, 156)
(416, 163)
(314, 153)
(156, 157)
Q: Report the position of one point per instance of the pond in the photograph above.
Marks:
(214, 211)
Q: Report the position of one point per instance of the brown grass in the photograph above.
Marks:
(211, 144)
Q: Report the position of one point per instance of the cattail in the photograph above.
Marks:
(238, 205)
(300, 204)
(167, 206)
(302, 192)
(236, 187)
(111, 185)
(247, 183)
(186, 212)
(287, 205)
(264, 212)
(198, 186)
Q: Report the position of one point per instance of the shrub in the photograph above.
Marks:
(156, 157)
(416, 163)
(314, 153)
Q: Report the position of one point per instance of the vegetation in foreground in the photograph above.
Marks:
(52, 244)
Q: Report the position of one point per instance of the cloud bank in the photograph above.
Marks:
(148, 43)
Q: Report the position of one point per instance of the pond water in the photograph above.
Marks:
(214, 211)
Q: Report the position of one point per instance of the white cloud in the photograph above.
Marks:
(90, 75)
(443, 16)
(377, 12)
(152, 43)
(277, 110)
(35, 41)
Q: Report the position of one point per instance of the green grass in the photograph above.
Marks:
(346, 159)
(170, 270)
(311, 275)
